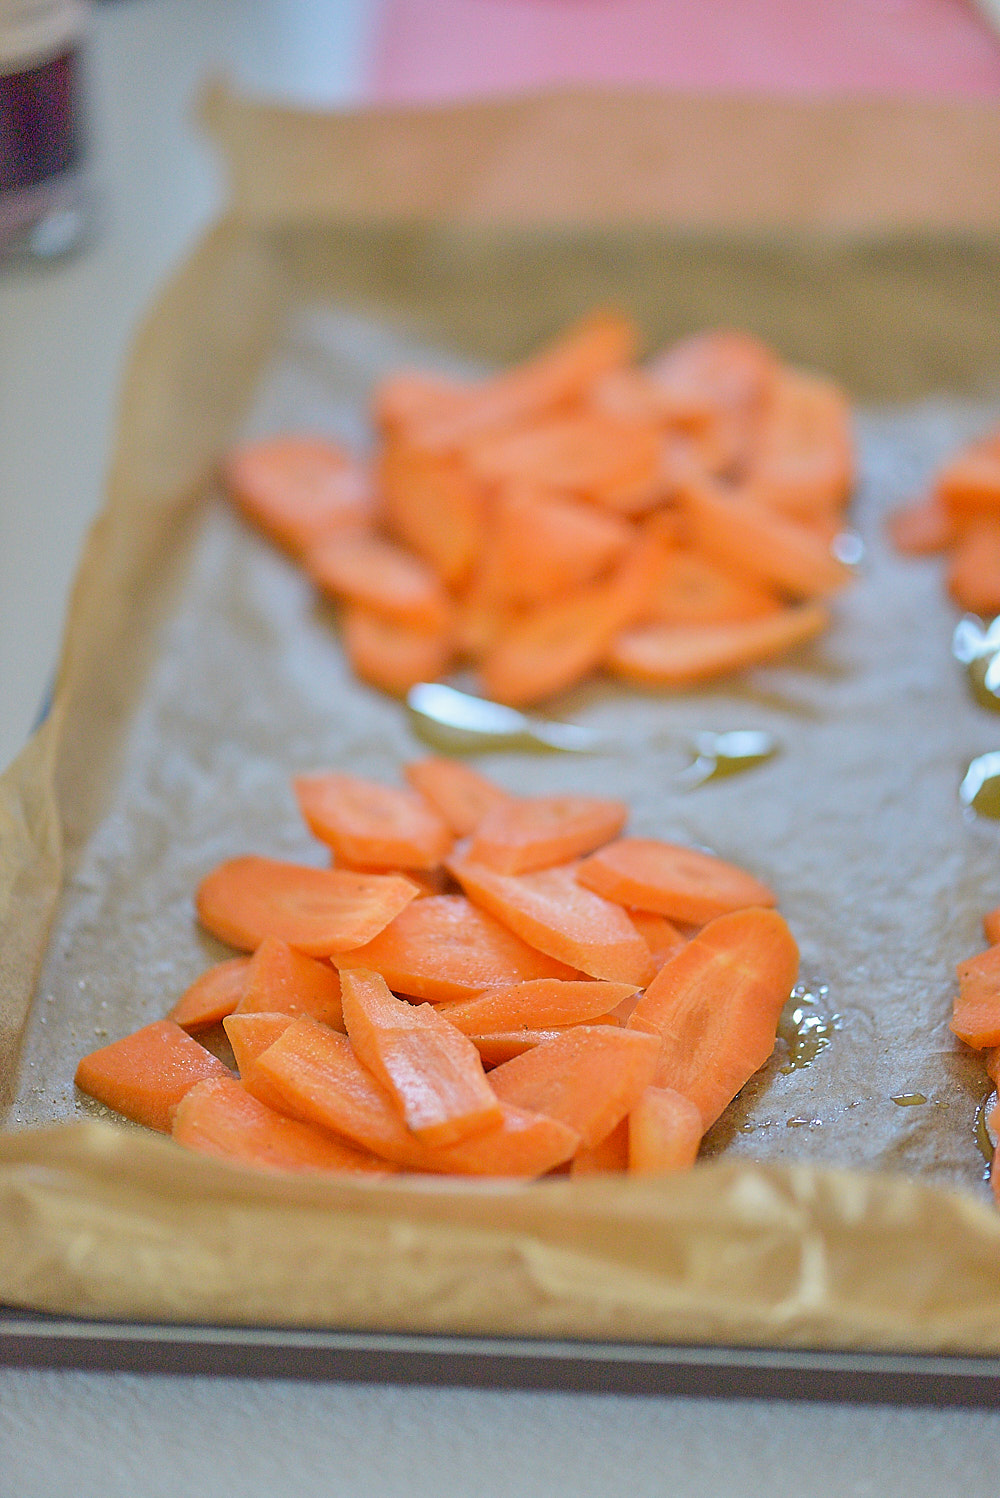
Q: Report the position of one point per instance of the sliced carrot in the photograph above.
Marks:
(553, 913)
(444, 948)
(410, 395)
(211, 996)
(366, 569)
(219, 1117)
(659, 934)
(542, 543)
(298, 488)
(973, 575)
(144, 1075)
(431, 1069)
(537, 1004)
(368, 824)
(391, 656)
(596, 456)
(686, 884)
(715, 1006)
(281, 980)
(676, 655)
(432, 505)
(250, 1035)
(991, 925)
(610, 1155)
(689, 588)
(968, 486)
(922, 527)
(718, 370)
(557, 374)
(589, 1078)
(731, 527)
(555, 645)
(802, 462)
(458, 793)
(534, 832)
(503, 1045)
(323, 1081)
(664, 1132)
(319, 911)
(976, 1016)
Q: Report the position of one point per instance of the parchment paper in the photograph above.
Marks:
(199, 675)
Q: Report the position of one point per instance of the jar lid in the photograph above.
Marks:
(33, 31)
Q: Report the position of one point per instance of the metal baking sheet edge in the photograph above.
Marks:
(36, 1340)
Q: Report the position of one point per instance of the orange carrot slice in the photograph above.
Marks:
(460, 795)
(739, 532)
(391, 656)
(976, 1017)
(432, 505)
(674, 655)
(219, 1117)
(281, 980)
(431, 1069)
(537, 1004)
(250, 1035)
(589, 1078)
(686, 884)
(144, 1075)
(298, 488)
(557, 374)
(991, 925)
(803, 462)
(922, 528)
(968, 486)
(443, 948)
(688, 588)
(659, 934)
(534, 832)
(372, 825)
(322, 1081)
(610, 1155)
(369, 570)
(552, 912)
(542, 543)
(603, 458)
(409, 395)
(715, 1006)
(211, 996)
(319, 911)
(503, 1045)
(973, 575)
(664, 1132)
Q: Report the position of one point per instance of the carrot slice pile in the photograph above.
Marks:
(501, 1031)
(507, 513)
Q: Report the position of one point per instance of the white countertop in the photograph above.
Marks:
(64, 330)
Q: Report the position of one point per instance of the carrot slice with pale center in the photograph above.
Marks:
(458, 793)
(664, 1132)
(298, 488)
(554, 913)
(281, 980)
(715, 1006)
(370, 824)
(144, 1075)
(685, 884)
(368, 569)
(391, 656)
(537, 1004)
(319, 911)
(524, 833)
(589, 1078)
(444, 947)
(219, 1117)
(211, 996)
(432, 1069)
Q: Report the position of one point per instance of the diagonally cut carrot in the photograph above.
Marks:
(280, 980)
(219, 1117)
(392, 656)
(499, 1046)
(372, 825)
(922, 527)
(687, 884)
(319, 911)
(432, 1070)
(552, 912)
(659, 934)
(677, 655)
(298, 488)
(588, 453)
(973, 574)
(144, 1075)
(802, 463)
(689, 588)
(534, 832)
(664, 1132)
(589, 1078)
(991, 925)
(537, 1004)
(250, 1035)
(367, 569)
(457, 792)
(610, 1155)
(211, 996)
(715, 1006)
(543, 543)
(432, 505)
(444, 948)
(976, 1015)
(968, 485)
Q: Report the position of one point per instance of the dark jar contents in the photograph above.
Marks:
(42, 141)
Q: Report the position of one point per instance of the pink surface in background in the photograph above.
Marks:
(450, 49)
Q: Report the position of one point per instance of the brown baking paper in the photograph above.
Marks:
(199, 674)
